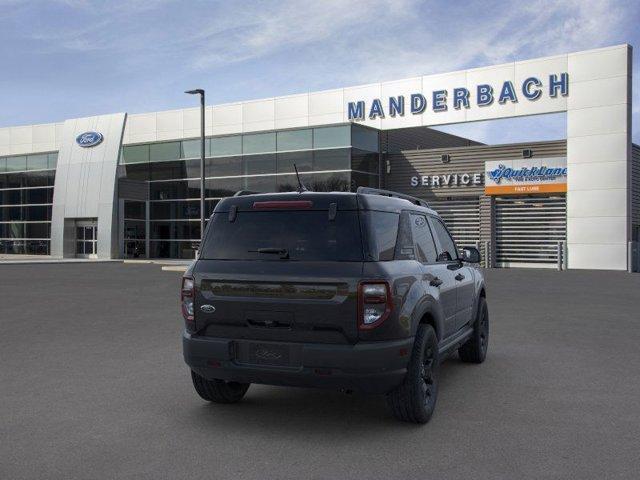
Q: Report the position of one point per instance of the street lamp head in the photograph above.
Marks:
(198, 91)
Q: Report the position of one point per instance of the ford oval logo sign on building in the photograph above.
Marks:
(89, 139)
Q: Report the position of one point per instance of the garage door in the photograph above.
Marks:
(462, 217)
(528, 230)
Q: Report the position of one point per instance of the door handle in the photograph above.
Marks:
(459, 277)
(435, 282)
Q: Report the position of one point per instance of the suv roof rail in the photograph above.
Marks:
(389, 193)
(242, 193)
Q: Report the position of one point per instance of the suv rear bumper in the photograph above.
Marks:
(369, 367)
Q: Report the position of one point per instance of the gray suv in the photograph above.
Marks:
(357, 291)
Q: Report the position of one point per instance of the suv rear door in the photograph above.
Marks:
(462, 274)
(280, 273)
(437, 275)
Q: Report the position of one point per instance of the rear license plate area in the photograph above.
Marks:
(267, 354)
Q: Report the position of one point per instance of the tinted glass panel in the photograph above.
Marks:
(135, 154)
(259, 143)
(174, 210)
(447, 251)
(223, 166)
(175, 190)
(364, 139)
(318, 182)
(302, 160)
(191, 148)
(327, 137)
(134, 209)
(38, 162)
(134, 229)
(424, 244)
(259, 164)
(16, 164)
(134, 249)
(328, 182)
(260, 184)
(165, 249)
(175, 170)
(3, 165)
(306, 235)
(37, 230)
(37, 247)
(52, 160)
(382, 231)
(39, 179)
(175, 230)
(332, 159)
(38, 195)
(364, 161)
(223, 146)
(364, 180)
(11, 197)
(295, 140)
(160, 152)
(223, 187)
(140, 171)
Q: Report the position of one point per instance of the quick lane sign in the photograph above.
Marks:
(482, 95)
(513, 177)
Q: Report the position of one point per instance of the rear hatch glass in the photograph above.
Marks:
(293, 235)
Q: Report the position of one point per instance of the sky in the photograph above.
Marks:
(74, 58)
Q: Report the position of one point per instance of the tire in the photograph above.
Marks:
(415, 400)
(219, 391)
(475, 349)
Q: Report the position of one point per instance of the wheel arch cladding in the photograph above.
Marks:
(429, 319)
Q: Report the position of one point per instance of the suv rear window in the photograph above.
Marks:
(304, 235)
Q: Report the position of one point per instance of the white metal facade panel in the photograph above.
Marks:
(85, 184)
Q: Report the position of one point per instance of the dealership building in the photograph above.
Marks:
(127, 185)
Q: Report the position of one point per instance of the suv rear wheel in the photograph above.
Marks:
(475, 349)
(415, 400)
(219, 391)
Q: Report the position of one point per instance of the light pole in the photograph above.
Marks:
(200, 91)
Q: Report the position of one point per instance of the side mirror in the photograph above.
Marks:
(470, 255)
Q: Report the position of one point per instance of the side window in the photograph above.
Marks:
(405, 250)
(447, 251)
(383, 231)
(425, 246)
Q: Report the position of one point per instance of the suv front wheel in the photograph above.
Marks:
(415, 400)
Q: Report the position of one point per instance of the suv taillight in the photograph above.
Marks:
(374, 304)
(187, 294)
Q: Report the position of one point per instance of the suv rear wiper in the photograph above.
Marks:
(284, 254)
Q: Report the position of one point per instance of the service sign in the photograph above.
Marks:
(524, 176)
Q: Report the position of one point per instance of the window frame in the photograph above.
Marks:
(433, 237)
(432, 219)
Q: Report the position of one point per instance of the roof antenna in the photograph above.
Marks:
(301, 187)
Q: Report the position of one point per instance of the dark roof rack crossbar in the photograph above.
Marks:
(389, 193)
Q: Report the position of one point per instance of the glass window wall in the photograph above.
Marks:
(26, 195)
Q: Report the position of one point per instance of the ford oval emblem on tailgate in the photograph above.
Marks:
(207, 308)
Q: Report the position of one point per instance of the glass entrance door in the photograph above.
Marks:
(86, 239)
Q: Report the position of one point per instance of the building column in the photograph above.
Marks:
(599, 158)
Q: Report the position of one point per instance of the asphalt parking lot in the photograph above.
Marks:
(92, 385)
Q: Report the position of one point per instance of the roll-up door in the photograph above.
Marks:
(528, 230)
(462, 217)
